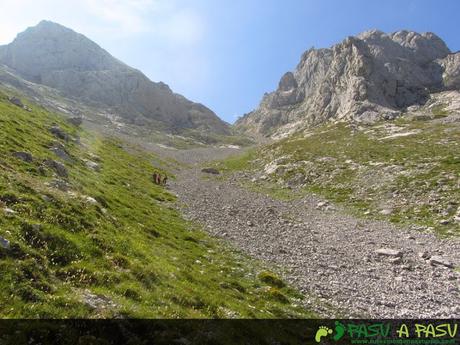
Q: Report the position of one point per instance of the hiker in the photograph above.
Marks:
(158, 180)
(165, 180)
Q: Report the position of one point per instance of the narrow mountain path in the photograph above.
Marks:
(331, 257)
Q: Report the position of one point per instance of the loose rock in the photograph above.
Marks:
(389, 252)
(16, 101)
(4, 243)
(59, 133)
(210, 171)
(24, 156)
(60, 151)
(59, 168)
(76, 121)
(9, 211)
(90, 200)
(93, 165)
(439, 260)
(323, 241)
(61, 185)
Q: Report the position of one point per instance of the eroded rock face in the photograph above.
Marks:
(55, 56)
(451, 75)
(365, 78)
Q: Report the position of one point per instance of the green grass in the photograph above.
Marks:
(131, 250)
(238, 162)
(439, 111)
(233, 138)
(416, 176)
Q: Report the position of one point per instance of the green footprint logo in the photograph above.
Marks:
(322, 332)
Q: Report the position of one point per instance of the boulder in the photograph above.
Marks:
(389, 252)
(76, 121)
(4, 243)
(61, 152)
(210, 171)
(59, 168)
(396, 260)
(93, 165)
(386, 212)
(16, 101)
(24, 156)
(90, 200)
(437, 260)
(59, 133)
(457, 216)
(61, 185)
(8, 211)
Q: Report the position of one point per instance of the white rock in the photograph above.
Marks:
(91, 200)
(396, 260)
(92, 165)
(389, 252)
(386, 212)
(439, 260)
(321, 204)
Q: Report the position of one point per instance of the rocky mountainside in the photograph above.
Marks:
(54, 56)
(366, 78)
(86, 233)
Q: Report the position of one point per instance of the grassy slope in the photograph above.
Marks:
(131, 253)
(417, 176)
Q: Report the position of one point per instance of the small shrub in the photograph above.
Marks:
(132, 294)
(120, 261)
(28, 293)
(276, 295)
(10, 198)
(33, 235)
(61, 250)
(145, 275)
(271, 279)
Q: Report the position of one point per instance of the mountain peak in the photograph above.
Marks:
(56, 56)
(47, 28)
(49, 24)
(49, 46)
(373, 33)
(424, 46)
(368, 77)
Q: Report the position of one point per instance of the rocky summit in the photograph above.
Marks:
(52, 55)
(366, 78)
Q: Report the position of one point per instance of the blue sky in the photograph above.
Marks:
(226, 53)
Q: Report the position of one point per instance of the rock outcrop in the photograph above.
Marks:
(451, 75)
(55, 56)
(365, 78)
